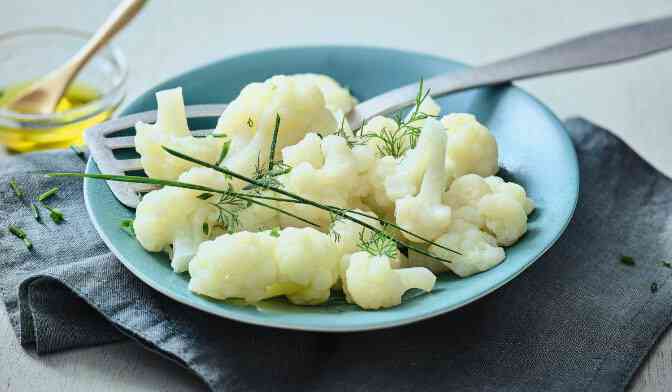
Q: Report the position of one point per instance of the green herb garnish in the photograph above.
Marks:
(378, 243)
(16, 188)
(667, 264)
(654, 287)
(19, 233)
(206, 228)
(36, 212)
(51, 192)
(628, 260)
(250, 122)
(274, 141)
(127, 226)
(275, 232)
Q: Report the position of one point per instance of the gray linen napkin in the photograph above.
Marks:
(578, 319)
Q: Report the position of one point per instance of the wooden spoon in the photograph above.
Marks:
(43, 95)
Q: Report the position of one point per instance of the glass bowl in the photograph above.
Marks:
(25, 56)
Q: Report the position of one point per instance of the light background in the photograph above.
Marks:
(634, 100)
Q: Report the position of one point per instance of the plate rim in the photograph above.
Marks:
(250, 319)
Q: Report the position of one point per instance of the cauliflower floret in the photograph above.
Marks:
(513, 190)
(479, 250)
(240, 265)
(307, 265)
(471, 148)
(466, 191)
(308, 149)
(337, 98)
(175, 216)
(171, 130)
(380, 124)
(373, 284)
(504, 217)
(250, 119)
(424, 214)
(334, 183)
(376, 176)
(408, 174)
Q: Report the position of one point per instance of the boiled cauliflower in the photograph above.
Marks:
(504, 217)
(337, 98)
(471, 148)
(171, 130)
(479, 250)
(513, 190)
(250, 119)
(425, 214)
(240, 265)
(175, 217)
(373, 284)
(307, 265)
(333, 183)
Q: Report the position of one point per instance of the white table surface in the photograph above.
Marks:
(634, 100)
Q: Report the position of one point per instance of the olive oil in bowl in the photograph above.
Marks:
(29, 138)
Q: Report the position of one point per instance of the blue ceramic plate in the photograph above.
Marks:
(535, 151)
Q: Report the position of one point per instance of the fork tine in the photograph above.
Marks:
(101, 146)
(126, 165)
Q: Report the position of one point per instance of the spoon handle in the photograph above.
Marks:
(117, 20)
(599, 48)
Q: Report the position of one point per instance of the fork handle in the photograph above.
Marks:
(599, 48)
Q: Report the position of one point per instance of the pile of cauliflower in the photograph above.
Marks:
(439, 186)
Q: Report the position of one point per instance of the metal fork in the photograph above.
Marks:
(600, 48)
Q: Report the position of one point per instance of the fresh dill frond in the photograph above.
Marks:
(36, 212)
(667, 264)
(78, 152)
(396, 142)
(16, 188)
(250, 122)
(205, 196)
(392, 142)
(351, 139)
(206, 228)
(275, 232)
(54, 213)
(628, 260)
(378, 243)
(229, 207)
(51, 192)
(127, 226)
(20, 234)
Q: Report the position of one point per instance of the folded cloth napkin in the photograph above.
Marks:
(578, 319)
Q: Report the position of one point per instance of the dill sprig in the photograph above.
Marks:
(274, 168)
(395, 142)
(16, 188)
(20, 234)
(354, 139)
(300, 199)
(51, 192)
(229, 207)
(378, 243)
